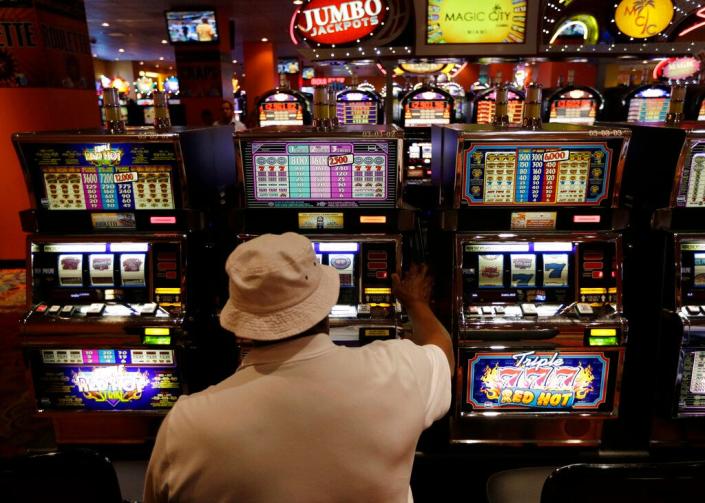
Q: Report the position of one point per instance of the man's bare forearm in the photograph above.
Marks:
(427, 329)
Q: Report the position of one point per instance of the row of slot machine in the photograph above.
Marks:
(548, 270)
(427, 105)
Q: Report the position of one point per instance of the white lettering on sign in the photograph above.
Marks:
(339, 160)
(125, 177)
(332, 18)
(558, 155)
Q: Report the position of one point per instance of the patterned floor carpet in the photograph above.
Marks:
(20, 429)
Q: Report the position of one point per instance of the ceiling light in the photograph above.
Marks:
(121, 49)
(164, 41)
(298, 2)
(234, 61)
(95, 55)
(105, 24)
(156, 66)
(265, 39)
(141, 63)
(161, 58)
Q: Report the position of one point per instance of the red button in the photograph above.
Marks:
(166, 266)
(377, 255)
(593, 265)
(597, 274)
(41, 308)
(170, 275)
(376, 265)
(381, 275)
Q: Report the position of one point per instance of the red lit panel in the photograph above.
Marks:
(376, 265)
(589, 266)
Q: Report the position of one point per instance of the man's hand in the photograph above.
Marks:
(414, 287)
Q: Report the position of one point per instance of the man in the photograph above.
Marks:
(204, 31)
(228, 117)
(303, 420)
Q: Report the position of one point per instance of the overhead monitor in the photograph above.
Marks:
(192, 26)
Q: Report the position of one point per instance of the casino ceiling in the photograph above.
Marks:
(138, 26)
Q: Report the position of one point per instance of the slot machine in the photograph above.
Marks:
(647, 103)
(535, 289)
(574, 105)
(421, 109)
(356, 106)
(680, 351)
(118, 303)
(283, 107)
(397, 92)
(483, 105)
(341, 188)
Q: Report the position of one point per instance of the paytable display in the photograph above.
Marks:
(356, 108)
(354, 173)
(541, 174)
(122, 176)
(691, 191)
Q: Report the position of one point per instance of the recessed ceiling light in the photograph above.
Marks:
(265, 39)
(234, 61)
(95, 55)
(105, 24)
(164, 41)
(121, 49)
(298, 2)
(161, 58)
(141, 63)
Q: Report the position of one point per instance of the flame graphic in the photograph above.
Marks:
(491, 379)
(583, 382)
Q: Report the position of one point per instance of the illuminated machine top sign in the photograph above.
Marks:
(643, 19)
(677, 68)
(426, 108)
(339, 22)
(577, 106)
(649, 105)
(477, 22)
(281, 109)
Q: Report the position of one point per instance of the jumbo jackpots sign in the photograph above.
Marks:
(339, 22)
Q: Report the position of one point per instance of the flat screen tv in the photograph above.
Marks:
(192, 26)
(288, 65)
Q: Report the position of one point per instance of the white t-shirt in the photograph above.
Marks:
(303, 421)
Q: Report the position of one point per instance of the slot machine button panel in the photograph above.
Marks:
(529, 310)
(41, 308)
(693, 310)
(148, 309)
(584, 309)
(95, 309)
(499, 310)
(488, 310)
(475, 311)
(54, 310)
(67, 311)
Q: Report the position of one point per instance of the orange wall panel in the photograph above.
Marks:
(260, 72)
(33, 109)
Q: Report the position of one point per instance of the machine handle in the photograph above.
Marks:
(509, 334)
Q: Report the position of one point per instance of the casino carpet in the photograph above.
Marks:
(20, 430)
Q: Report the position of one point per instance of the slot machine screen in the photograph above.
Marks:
(122, 273)
(692, 274)
(145, 379)
(537, 174)
(365, 270)
(281, 109)
(574, 107)
(486, 107)
(418, 159)
(192, 27)
(425, 109)
(691, 189)
(311, 173)
(649, 105)
(103, 177)
(518, 272)
(356, 108)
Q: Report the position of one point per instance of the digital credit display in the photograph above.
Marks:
(103, 176)
(106, 379)
(527, 380)
(356, 108)
(691, 188)
(535, 174)
(316, 173)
